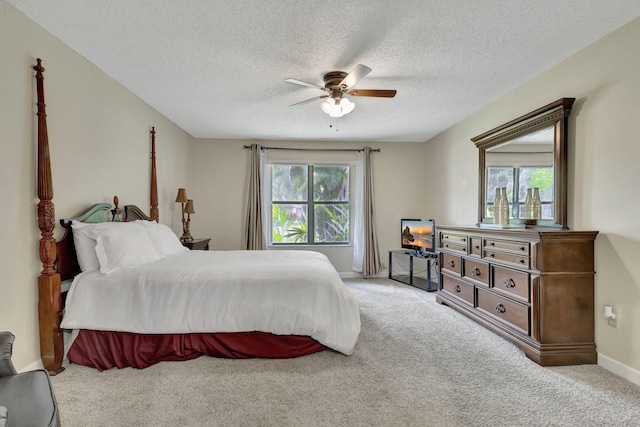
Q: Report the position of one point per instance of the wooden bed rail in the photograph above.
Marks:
(49, 297)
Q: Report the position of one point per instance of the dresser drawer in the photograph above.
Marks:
(456, 247)
(476, 246)
(476, 270)
(514, 283)
(520, 261)
(458, 288)
(461, 239)
(505, 245)
(454, 242)
(452, 263)
(510, 312)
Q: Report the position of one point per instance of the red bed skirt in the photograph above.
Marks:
(104, 350)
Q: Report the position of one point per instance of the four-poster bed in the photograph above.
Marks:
(174, 304)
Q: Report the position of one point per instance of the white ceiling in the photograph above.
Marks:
(216, 68)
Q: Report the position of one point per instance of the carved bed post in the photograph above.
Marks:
(153, 192)
(50, 299)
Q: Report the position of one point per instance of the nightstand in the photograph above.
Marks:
(197, 244)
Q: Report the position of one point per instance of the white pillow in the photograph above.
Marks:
(123, 245)
(85, 246)
(164, 239)
(111, 246)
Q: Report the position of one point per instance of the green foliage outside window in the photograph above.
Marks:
(297, 220)
(517, 180)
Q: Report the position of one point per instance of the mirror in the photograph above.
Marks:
(523, 155)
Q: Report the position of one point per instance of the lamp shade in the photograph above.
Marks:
(182, 196)
(327, 106)
(347, 106)
(189, 207)
(337, 107)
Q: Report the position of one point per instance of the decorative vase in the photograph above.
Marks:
(504, 206)
(497, 206)
(528, 204)
(537, 204)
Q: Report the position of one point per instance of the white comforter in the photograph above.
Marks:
(281, 292)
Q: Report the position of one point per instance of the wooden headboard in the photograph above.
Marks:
(67, 260)
(59, 258)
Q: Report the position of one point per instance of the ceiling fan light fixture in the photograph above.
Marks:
(337, 84)
(337, 107)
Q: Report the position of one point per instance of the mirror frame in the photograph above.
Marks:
(555, 114)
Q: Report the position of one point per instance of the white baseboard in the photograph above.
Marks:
(355, 275)
(621, 370)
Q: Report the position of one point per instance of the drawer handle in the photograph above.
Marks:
(477, 246)
(492, 255)
(475, 271)
(456, 288)
(522, 261)
(522, 248)
(464, 240)
(509, 283)
(464, 249)
(500, 308)
(451, 264)
(492, 243)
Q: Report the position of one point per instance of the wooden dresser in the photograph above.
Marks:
(532, 286)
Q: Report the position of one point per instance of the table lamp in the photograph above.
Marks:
(182, 199)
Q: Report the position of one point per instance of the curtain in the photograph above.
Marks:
(254, 227)
(366, 256)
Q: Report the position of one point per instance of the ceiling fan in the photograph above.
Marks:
(337, 84)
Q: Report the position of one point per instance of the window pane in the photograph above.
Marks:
(289, 223)
(537, 177)
(541, 177)
(497, 178)
(289, 183)
(331, 183)
(331, 223)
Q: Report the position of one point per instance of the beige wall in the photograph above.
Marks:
(99, 136)
(603, 174)
(218, 177)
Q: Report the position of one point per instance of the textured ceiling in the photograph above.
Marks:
(216, 68)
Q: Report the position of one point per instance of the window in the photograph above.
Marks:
(310, 204)
(517, 180)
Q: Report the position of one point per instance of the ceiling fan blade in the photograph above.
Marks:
(307, 84)
(382, 93)
(354, 76)
(309, 100)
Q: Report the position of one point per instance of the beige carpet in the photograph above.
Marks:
(417, 363)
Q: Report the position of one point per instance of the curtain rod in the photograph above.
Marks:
(377, 150)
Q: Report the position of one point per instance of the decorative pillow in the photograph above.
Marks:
(85, 246)
(164, 239)
(123, 245)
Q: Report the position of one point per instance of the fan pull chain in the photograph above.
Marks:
(331, 124)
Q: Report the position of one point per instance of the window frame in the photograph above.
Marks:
(310, 203)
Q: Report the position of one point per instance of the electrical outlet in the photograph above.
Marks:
(612, 319)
